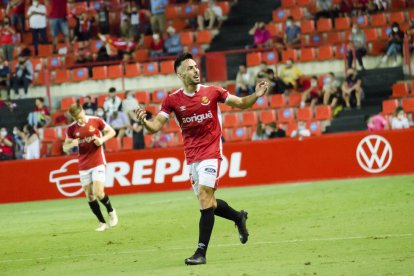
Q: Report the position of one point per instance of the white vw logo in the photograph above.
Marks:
(374, 153)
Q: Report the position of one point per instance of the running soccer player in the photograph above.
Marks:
(196, 109)
(85, 133)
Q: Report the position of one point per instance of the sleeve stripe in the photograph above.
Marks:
(165, 114)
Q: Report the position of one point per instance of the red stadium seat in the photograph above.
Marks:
(280, 15)
(297, 13)
(187, 38)
(253, 59)
(275, 29)
(249, 118)
(268, 116)
(159, 95)
(342, 23)
(49, 134)
(305, 114)
(400, 89)
(56, 148)
(142, 55)
(225, 108)
(371, 34)
(323, 112)
(307, 54)
(231, 120)
(295, 99)
(289, 54)
(285, 115)
(408, 105)
(154, 109)
(150, 68)
(226, 134)
(291, 126)
(315, 128)
(112, 145)
(261, 103)
(37, 63)
(204, 37)
(378, 20)
(277, 101)
(334, 37)
(340, 51)
(173, 126)
(80, 74)
(127, 143)
(288, 3)
(304, 3)
(172, 11)
(225, 7)
(132, 70)
(62, 76)
(147, 140)
(239, 134)
(167, 67)
(115, 71)
(324, 25)
(361, 21)
(45, 50)
(99, 73)
(65, 103)
(53, 62)
(307, 26)
(270, 57)
(398, 17)
(389, 106)
(325, 52)
(143, 97)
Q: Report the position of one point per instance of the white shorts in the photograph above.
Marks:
(204, 173)
(96, 174)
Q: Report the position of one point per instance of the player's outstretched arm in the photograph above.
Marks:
(152, 126)
(245, 102)
(69, 144)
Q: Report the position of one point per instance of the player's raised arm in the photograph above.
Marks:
(154, 125)
(245, 102)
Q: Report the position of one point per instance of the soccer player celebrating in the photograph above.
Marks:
(196, 109)
(85, 133)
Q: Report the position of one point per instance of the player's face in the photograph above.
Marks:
(80, 118)
(189, 73)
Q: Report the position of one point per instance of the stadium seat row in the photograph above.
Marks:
(389, 106)
(402, 89)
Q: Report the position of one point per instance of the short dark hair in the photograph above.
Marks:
(398, 110)
(290, 17)
(112, 90)
(180, 60)
(40, 99)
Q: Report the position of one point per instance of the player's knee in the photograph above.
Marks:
(206, 197)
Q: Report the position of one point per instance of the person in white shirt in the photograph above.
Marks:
(112, 102)
(213, 17)
(129, 104)
(302, 131)
(37, 23)
(400, 120)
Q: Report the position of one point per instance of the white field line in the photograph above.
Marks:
(384, 236)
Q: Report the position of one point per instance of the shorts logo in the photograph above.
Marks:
(91, 129)
(374, 154)
(210, 170)
(205, 101)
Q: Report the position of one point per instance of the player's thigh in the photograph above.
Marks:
(208, 172)
(98, 178)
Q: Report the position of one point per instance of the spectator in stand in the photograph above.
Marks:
(7, 32)
(120, 122)
(352, 86)
(100, 112)
(260, 133)
(82, 31)
(129, 104)
(301, 131)
(288, 77)
(83, 54)
(18, 144)
(357, 43)
(102, 55)
(15, 9)
(158, 15)
(346, 8)
(6, 145)
(381, 5)
(262, 37)
(138, 141)
(262, 73)
(244, 82)
(112, 102)
(291, 38)
(312, 94)
(376, 122)
(139, 22)
(40, 116)
(31, 142)
(4, 75)
(103, 17)
(213, 17)
(395, 42)
(360, 6)
(330, 90)
(58, 22)
(400, 120)
(37, 22)
(126, 28)
(157, 46)
(89, 106)
(158, 140)
(271, 77)
(274, 131)
(173, 42)
(325, 8)
(23, 73)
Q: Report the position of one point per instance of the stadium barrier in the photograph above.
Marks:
(332, 156)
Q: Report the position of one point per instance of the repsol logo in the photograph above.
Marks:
(198, 118)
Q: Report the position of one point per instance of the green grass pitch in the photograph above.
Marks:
(347, 227)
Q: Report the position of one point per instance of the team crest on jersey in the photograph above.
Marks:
(77, 134)
(205, 101)
(91, 129)
(183, 108)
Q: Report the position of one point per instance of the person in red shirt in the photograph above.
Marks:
(58, 21)
(157, 46)
(15, 9)
(6, 39)
(197, 112)
(6, 145)
(86, 134)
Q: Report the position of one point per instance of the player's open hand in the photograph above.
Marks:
(141, 114)
(262, 88)
(97, 141)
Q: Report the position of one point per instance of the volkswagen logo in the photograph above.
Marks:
(374, 154)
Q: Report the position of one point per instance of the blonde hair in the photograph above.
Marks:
(74, 110)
